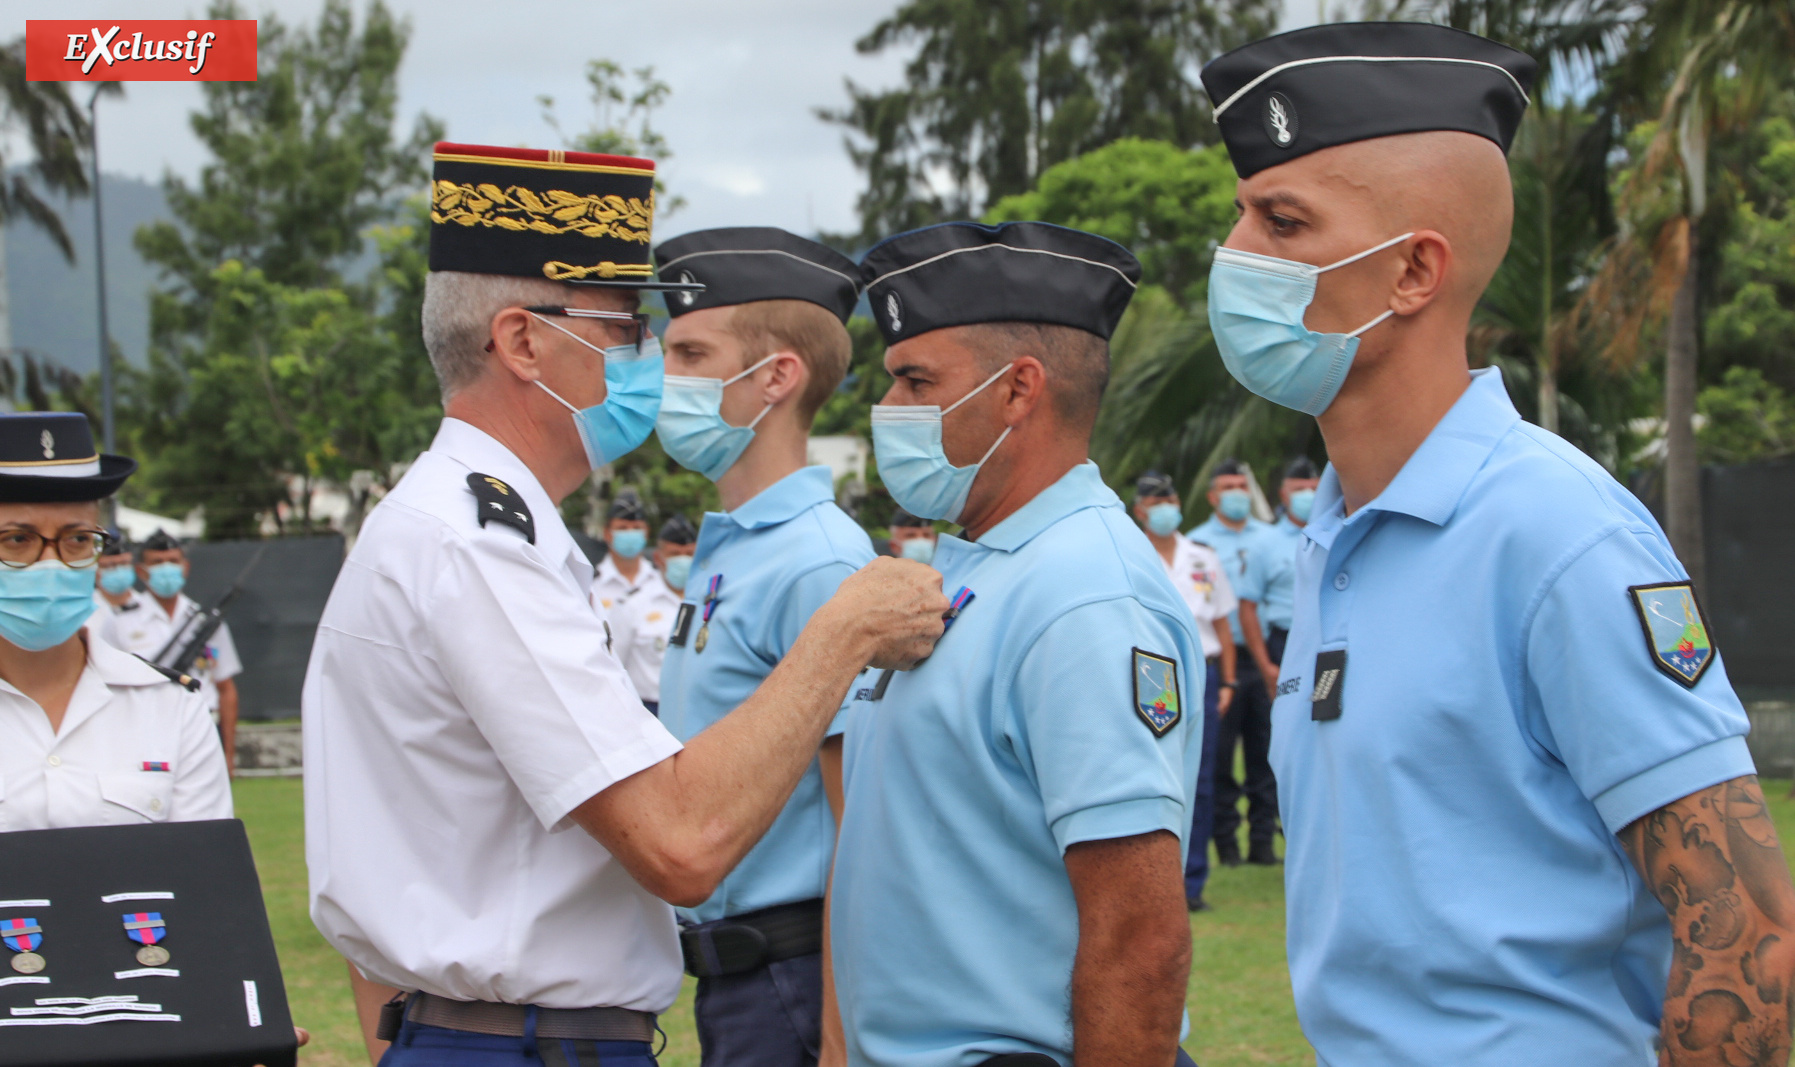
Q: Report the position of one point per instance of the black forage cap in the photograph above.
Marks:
(49, 457)
(1302, 467)
(961, 273)
(627, 505)
(1298, 92)
(1155, 483)
(742, 264)
(678, 531)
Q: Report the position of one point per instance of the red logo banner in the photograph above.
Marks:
(140, 50)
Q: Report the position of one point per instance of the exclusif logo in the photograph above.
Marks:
(72, 50)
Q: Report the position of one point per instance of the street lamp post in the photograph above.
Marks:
(107, 432)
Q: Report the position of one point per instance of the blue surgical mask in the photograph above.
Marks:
(166, 580)
(920, 549)
(1256, 309)
(118, 580)
(629, 543)
(42, 605)
(691, 426)
(614, 428)
(1163, 519)
(1302, 502)
(907, 446)
(678, 570)
(1235, 505)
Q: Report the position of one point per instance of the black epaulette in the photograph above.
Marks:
(1201, 544)
(498, 502)
(185, 681)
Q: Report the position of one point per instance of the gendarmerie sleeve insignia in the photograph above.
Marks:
(1676, 633)
(1156, 691)
(498, 502)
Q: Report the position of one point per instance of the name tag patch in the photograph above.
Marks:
(1156, 691)
(682, 624)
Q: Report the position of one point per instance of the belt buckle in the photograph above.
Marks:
(715, 950)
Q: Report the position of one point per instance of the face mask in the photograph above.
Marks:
(907, 446)
(1302, 502)
(679, 568)
(691, 426)
(614, 428)
(1236, 504)
(1163, 519)
(42, 605)
(118, 580)
(166, 580)
(629, 543)
(1256, 309)
(920, 549)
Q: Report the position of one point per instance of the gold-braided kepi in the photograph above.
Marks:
(574, 217)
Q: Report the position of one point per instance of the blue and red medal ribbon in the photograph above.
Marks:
(710, 595)
(955, 606)
(21, 935)
(145, 927)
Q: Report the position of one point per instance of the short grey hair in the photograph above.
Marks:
(458, 311)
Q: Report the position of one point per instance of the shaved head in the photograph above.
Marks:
(1325, 206)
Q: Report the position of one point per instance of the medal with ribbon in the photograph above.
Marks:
(710, 605)
(23, 936)
(146, 928)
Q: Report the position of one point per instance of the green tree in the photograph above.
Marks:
(1751, 317)
(1744, 419)
(623, 120)
(265, 364)
(1001, 90)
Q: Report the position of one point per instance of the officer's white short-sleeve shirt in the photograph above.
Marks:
(610, 588)
(461, 701)
(640, 626)
(140, 626)
(133, 747)
(1196, 572)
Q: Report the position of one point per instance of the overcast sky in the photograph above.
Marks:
(746, 79)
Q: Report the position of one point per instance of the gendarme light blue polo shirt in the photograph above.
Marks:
(1063, 705)
(1456, 892)
(1260, 565)
(781, 555)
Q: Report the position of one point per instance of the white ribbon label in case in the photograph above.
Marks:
(251, 1004)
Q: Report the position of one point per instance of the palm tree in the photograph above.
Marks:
(1707, 65)
(58, 134)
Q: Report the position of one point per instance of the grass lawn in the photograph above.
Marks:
(1240, 1009)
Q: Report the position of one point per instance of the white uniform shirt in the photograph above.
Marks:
(1197, 574)
(134, 747)
(459, 704)
(140, 626)
(640, 627)
(610, 588)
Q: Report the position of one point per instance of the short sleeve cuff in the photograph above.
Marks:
(1646, 792)
(1123, 818)
(656, 746)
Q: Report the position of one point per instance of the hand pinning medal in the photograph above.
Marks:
(23, 936)
(146, 928)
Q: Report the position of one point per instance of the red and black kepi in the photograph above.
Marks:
(575, 217)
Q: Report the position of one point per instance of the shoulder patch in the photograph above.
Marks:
(1156, 691)
(1676, 632)
(182, 679)
(498, 502)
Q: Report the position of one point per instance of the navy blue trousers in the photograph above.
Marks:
(1202, 821)
(771, 1017)
(433, 1046)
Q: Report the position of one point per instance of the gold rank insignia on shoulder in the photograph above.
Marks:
(497, 502)
(1156, 691)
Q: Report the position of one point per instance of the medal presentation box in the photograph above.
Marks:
(131, 946)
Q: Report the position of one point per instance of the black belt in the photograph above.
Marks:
(747, 942)
(507, 1020)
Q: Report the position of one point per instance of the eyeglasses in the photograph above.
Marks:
(633, 326)
(78, 547)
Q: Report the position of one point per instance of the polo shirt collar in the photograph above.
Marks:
(482, 453)
(1433, 481)
(786, 498)
(1079, 488)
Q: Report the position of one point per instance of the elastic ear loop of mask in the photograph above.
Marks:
(744, 374)
(969, 396)
(1373, 250)
(581, 340)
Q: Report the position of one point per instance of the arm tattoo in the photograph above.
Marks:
(1712, 859)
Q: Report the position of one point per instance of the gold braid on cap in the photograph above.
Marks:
(550, 212)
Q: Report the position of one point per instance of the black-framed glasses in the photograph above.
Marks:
(77, 546)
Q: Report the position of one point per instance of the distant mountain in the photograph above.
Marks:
(52, 300)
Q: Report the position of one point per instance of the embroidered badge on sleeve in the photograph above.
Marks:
(1676, 633)
(1156, 691)
(498, 502)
